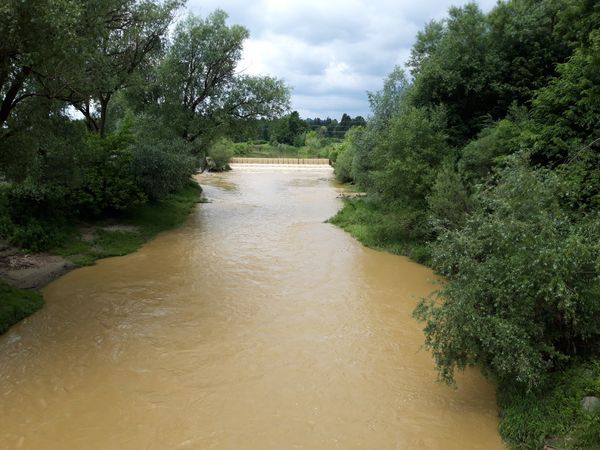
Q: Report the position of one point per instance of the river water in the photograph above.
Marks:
(253, 326)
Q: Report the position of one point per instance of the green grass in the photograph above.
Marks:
(553, 414)
(249, 150)
(148, 220)
(16, 304)
(395, 230)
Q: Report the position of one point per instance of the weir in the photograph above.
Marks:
(281, 161)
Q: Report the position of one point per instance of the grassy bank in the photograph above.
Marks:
(16, 304)
(553, 414)
(84, 243)
(394, 230)
(126, 233)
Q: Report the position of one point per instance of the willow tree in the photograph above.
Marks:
(128, 34)
(200, 88)
(28, 57)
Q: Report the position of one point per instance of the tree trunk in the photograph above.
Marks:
(8, 103)
(91, 124)
(103, 112)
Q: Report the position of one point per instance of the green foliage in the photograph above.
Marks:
(345, 154)
(343, 162)
(196, 85)
(16, 304)
(553, 413)
(523, 283)
(107, 182)
(28, 54)
(409, 152)
(289, 130)
(567, 112)
(161, 162)
(30, 216)
(162, 168)
(145, 221)
(31, 199)
(220, 153)
(489, 149)
(527, 41)
(394, 229)
(458, 71)
(477, 65)
(385, 104)
(388, 102)
(569, 104)
(449, 201)
(38, 235)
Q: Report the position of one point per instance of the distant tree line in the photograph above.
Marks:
(291, 129)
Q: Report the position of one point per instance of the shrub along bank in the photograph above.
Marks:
(491, 175)
(107, 121)
(84, 243)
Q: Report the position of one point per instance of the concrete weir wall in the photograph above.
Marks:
(311, 161)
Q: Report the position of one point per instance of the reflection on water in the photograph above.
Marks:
(253, 326)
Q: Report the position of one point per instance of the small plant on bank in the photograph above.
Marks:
(16, 304)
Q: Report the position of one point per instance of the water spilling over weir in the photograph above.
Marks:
(282, 161)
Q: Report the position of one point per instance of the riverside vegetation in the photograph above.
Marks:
(106, 123)
(485, 165)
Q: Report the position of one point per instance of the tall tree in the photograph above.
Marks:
(128, 32)
(28, 56)
(199, 85)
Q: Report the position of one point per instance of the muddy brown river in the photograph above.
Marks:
(253, 326)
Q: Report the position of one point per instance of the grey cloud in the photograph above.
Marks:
(330, 52)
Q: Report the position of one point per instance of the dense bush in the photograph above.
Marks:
(106, 181)
(344, 155)
(553, 410)
(409, 153)
(84, 176)
(343, 163)
(33, 199)
(220, 153)
(523, 282)
(162, 167)
(39, 234)
(449, 201)
(489, 149)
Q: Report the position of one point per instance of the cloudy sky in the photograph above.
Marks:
(331, 52)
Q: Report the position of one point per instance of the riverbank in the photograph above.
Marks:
(22, 272)
(380, 230)
(550, 417)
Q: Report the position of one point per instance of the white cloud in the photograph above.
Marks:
(330, 52)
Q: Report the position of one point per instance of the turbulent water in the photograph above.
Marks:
(253, 326)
